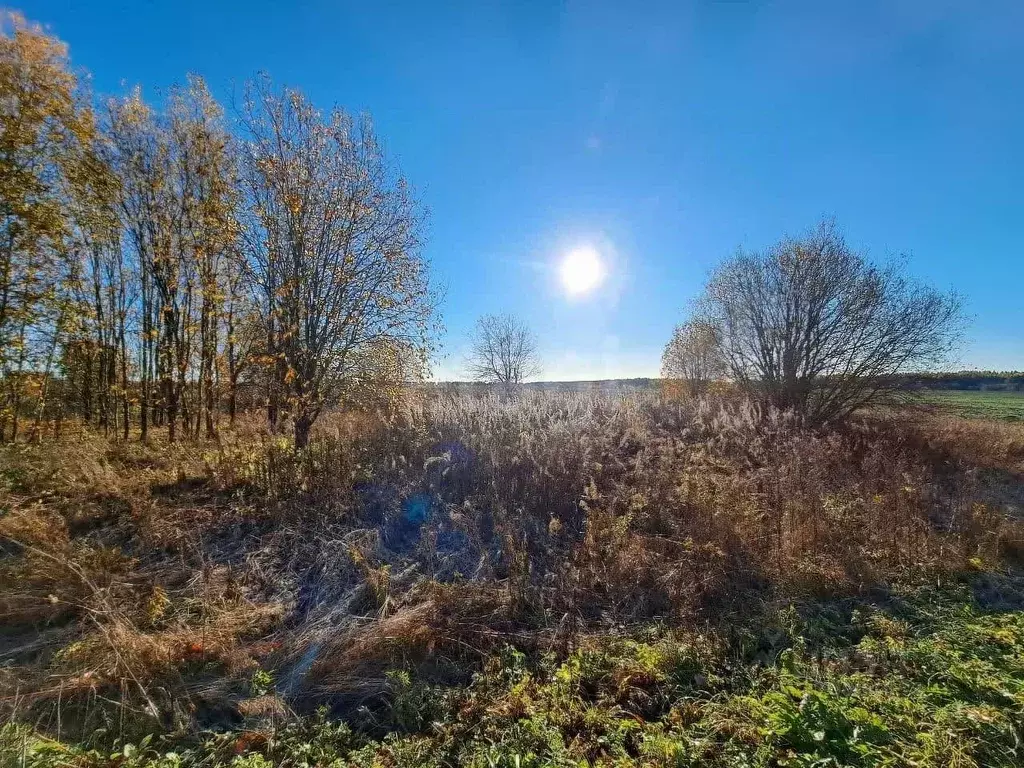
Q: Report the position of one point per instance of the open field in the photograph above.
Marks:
(557, 579)
(248, 518)
(1008, 406)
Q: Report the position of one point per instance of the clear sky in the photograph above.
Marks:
(660, 136)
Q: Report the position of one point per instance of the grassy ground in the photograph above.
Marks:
(1008, 406)
(932, 677)
(558, 580)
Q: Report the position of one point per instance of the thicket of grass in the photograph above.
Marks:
(546, 580)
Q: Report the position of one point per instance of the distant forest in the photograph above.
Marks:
(974, 381)
(977, 381)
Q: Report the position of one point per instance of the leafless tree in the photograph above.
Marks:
(332, 237)
(503, 351)
(693, 356)
(814, 327)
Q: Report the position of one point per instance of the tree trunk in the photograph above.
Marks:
(147, 355)
(125, 407)
(232, 396)
(303, 423)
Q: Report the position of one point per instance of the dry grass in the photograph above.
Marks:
(162, 578)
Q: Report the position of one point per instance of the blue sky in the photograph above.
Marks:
(663, 136)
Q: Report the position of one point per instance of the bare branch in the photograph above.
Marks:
(503, 351)
(814, 327)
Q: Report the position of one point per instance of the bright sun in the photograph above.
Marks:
(581, 271)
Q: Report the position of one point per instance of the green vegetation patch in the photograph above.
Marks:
(1007, 406)
(927, 679)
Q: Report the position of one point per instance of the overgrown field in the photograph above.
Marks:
(548, 580)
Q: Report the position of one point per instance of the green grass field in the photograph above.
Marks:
(1007, 406)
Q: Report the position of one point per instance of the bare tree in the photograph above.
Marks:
(503, 351)
(332, 237)
(812, 326)
(693, 356)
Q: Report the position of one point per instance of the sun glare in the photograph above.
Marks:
(581, 271)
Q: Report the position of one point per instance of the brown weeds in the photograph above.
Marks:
(430, 534)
